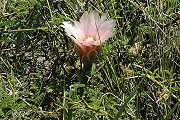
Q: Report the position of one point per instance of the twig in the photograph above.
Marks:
(19, 30)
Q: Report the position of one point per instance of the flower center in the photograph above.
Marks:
(89, 39)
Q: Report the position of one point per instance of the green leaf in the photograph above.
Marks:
(172, 111)
(118, 115)
(176, 88)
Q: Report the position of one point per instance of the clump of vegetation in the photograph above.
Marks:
(136, 76)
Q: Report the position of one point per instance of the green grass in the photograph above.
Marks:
(136, 77)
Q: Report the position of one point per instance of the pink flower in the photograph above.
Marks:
(89, 33)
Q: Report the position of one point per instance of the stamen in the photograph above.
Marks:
(89, 39)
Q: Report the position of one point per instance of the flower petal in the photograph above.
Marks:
(80, 30)
(105, 28)
(83, 49)
(71, 31)
(68, 28)
(79, 50)
(83, 22)
(100, 21)
(91, 25)
(106, 35)
(83, 18)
